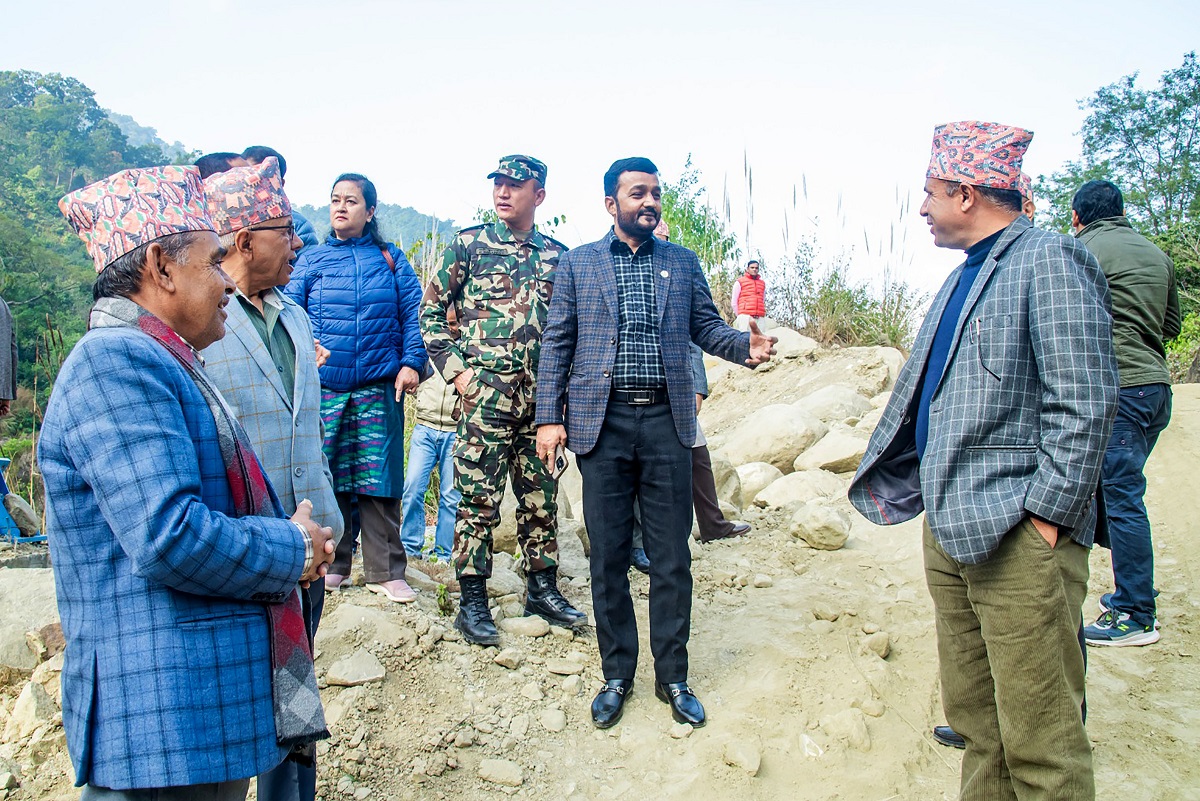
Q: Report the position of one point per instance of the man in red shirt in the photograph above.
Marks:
(749, 297)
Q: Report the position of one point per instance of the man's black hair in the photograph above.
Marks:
(1007, 199)
(213, 163)
(1097, 200)
(752, 261)
(259, 153)
(633, 164)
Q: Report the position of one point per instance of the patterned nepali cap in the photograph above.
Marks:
(979, 153)
(520, 168)
(246, 196)
(135, 207)
(1025, 186)
(662, 230)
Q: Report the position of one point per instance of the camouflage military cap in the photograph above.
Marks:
(520, 168)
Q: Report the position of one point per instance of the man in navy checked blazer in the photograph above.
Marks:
(996, 429)
(615, 367)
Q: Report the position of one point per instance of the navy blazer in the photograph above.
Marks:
(579, 344)
(1020, 419)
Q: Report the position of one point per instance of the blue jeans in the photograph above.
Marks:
(1142, 413)
(429, 447)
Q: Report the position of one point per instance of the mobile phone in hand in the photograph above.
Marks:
(560, 462)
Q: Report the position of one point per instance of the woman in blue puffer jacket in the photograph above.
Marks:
(363, 298)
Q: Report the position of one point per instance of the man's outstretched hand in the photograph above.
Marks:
(762, 347)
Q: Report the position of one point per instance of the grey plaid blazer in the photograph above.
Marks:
(1020, 420)
(286, 432)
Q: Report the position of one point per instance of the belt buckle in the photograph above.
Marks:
(641, 397)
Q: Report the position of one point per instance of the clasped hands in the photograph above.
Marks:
(322, 543)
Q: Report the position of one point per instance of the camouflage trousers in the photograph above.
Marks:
(496, 437)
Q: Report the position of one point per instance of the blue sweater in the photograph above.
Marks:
(943, 338)
(363, 312)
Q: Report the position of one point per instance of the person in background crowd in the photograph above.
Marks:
(213, 163)
(8, 359)
(188, 663)
(270, 382)
(499, 278)
(432, 445)
(996, 429)
(257, 154)
(1145, 309)
(710, 521)
(624, 311)
(362, 297)
(749, 300)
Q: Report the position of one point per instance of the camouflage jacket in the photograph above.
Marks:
(500, 289)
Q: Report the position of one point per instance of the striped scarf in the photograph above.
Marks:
(299, 718)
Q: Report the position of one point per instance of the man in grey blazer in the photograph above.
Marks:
(614, 369)
(266, 369)
(996, 428)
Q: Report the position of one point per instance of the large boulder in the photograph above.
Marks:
(728, 480)
(839, 451)
(27, 603)
(774, 434)
(834, 403)
(800, 487)
(756, 477)
(572, 561)
(793, 345)
(821, 526)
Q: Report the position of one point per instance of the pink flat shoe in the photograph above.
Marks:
(395, 590)
(334, 581)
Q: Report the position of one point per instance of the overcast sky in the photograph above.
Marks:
(424, 97)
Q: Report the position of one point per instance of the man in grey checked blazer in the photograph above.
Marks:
(266, 368)
(615, 368)
(996, 429)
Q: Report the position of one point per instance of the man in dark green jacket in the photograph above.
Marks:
(1145, 309)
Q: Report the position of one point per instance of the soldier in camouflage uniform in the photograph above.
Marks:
(498, 278)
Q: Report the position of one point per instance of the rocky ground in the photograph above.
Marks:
(812, 645)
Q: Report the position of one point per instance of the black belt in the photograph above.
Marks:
(640, 397)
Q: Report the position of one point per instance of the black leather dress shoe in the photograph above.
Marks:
(685, 707)
(948, 736)
(610, 702)
(639, 560)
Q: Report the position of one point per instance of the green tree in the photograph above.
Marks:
(696, 226)
(1147, 142)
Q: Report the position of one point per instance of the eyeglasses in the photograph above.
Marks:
(289, 230)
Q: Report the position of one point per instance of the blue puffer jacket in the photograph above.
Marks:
(365, 315)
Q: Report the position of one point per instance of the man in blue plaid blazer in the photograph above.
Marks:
(266, 368)
(615, 368)
(996, 429)
(169, 686)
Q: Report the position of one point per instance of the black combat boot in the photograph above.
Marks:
(474, 619)
(544, 599)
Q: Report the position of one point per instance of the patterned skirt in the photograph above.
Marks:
(364, 440)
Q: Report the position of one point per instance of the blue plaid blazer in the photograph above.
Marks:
(1020, 419)
(285, 428)
(579, 344)
(162, 593)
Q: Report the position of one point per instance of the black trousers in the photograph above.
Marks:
(638, 455)
(712, 523)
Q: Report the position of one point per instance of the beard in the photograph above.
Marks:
(634, 225)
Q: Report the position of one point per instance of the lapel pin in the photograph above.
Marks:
(664, 273)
